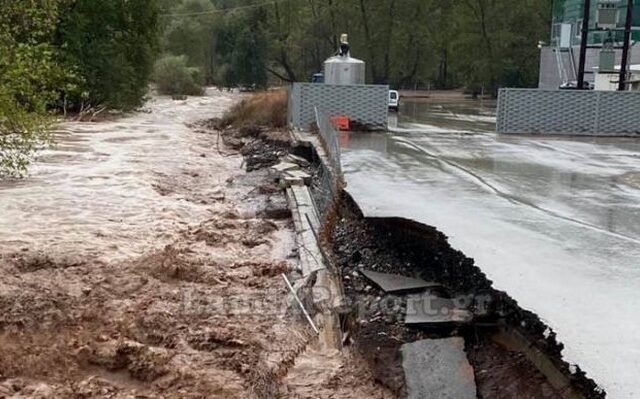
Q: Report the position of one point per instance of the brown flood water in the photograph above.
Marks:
(108, 190)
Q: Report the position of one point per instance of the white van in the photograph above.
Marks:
(394, 100)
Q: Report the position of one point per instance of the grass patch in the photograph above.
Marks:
(264, 109)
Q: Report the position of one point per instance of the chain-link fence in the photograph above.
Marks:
(329, 136)
(328, 179)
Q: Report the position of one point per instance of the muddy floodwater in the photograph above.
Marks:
(555, 222)
(104, 188)
(141, 258)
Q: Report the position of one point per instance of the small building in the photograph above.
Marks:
(559, 59)
(608, 81)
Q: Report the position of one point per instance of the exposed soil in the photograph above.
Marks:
(404, 247)
(501, 373)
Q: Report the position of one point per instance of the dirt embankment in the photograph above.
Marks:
(319, 370)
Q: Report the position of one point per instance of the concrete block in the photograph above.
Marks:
(298, 174)
(296, 160)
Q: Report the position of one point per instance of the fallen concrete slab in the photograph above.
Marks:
(297, 160)
(304, 215)
(285, 166)
(429, 310)
(395, 283)
(438, 368)
(297, 174)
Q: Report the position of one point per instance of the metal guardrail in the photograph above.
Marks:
(569, 112)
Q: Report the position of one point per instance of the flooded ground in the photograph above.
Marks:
(114, 189)
(140, 259)
(555, 222)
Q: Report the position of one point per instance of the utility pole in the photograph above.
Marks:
(622, 80)
(583, 44)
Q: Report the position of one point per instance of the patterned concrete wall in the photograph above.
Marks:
(573, 112)
(364, 104)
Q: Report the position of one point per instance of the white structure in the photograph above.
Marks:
(343, 69)
(609, 81)
(346, 70)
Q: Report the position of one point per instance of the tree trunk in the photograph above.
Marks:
(368, 43)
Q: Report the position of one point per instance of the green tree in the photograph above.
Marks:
(242, 49)
(114, 44)
(405, 43)
(496, 42)
(32, 76)
(174, 76)
(189, 29)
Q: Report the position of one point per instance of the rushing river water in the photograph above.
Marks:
(555, 222)
(106, 189)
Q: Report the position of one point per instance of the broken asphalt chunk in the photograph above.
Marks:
(438, 368)
(395, 283)
(429, 310)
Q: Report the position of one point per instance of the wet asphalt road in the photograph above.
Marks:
(555, 222)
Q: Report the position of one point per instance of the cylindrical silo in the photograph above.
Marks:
(343, 69)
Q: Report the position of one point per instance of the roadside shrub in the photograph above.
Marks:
(22, 132)
(174, 77)
(268, 109)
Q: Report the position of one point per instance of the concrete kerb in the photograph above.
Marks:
(319, 290)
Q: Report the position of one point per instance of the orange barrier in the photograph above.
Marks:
(341, 122)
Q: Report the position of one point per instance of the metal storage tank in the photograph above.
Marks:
(343, 69)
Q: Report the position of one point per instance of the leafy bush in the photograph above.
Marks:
(31, 77)
(173, 76)
(68, 54)
(22, 132)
